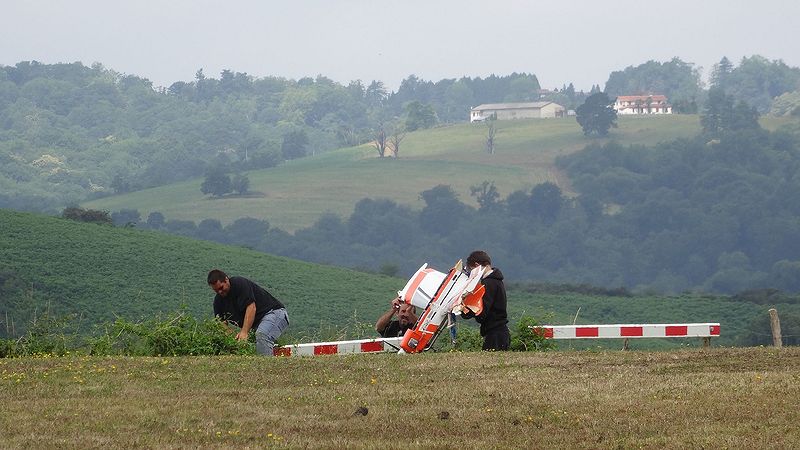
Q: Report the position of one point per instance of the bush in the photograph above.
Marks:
(7, 348)
(175, 335)
(180, 335)
(524, 339)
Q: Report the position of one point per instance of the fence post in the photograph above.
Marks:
(775, 324)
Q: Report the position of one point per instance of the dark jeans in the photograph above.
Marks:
(497, 339)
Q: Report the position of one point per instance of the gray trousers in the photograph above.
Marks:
(269, 329)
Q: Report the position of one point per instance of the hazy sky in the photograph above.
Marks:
(560, 41)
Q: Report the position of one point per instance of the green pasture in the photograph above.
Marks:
(99, 272)
(295, 194)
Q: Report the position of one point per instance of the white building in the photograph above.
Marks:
(642, 104)
(506, 111)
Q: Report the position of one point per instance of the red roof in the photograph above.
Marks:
(633, 98)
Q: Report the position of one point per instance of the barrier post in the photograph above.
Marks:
(775, 324)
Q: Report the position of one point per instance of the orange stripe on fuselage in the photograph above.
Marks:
(415, 284)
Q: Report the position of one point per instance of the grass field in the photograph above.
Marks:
(100, 272)
(721, 398)
(295, 194)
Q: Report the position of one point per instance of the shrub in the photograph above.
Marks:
(524, 339)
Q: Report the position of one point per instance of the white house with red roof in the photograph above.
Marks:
(642, 104)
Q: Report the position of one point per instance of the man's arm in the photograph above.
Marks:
(247, 322)
(383, 321)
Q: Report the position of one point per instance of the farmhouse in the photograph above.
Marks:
(505, 111)
(642, 104)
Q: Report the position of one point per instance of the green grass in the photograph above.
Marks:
(100, 272)
(722, 398)
(297, 193)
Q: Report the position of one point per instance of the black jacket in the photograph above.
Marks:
(494, 313)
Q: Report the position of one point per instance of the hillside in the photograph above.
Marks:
(295, 194)
(100, 272)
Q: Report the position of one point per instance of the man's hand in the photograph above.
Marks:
(396, 302)
(242, 336)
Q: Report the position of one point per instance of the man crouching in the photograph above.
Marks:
(249, 306)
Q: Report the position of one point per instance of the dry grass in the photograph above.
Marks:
(722, 398)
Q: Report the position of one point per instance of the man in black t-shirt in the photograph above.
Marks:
(406, 318)
(248, 306)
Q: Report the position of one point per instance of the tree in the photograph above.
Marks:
(247, 231)
(546, 201)
(596, 114)
(240, 184)
(396, 139)
(491, 132)
(294, 144)
(442, 211)
(126, 217)
(722, 115)
(156, 220)
(87, 215)
(380, 142)
(420, 116)
(217, 182)
(721, 72)
(486, 195)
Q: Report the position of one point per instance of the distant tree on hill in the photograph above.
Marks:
(486, 195)
(126, 217)
(721, 72)
(240, 184)
(442, 211)
(596, 114)
(396, 139)
(491, 133)
(420, 116)
(87, 215)
(156, 220)
(294, 144)
(217, 182)
(721, 114)
(546, 201)
(380, 141)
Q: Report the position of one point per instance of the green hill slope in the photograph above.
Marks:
(295, 194)
(101, 272)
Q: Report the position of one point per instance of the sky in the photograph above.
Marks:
(561, 42)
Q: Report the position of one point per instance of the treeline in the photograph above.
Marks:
(69, 132)
(756, 81)
(717, 213)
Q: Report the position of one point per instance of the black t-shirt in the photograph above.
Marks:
(243, 292)
(395, 330)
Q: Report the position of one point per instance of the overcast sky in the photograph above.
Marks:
(559, 41)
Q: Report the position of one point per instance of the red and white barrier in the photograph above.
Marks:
(628, 331)
(339, 347)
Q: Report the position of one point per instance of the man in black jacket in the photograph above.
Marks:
(493, 318)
